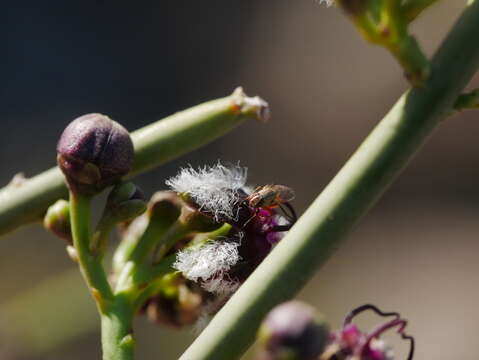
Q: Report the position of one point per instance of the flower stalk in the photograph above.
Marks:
(354, 190)
(385, 23)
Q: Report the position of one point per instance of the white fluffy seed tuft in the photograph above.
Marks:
(214, 188)
(209, 263)
(327, 2)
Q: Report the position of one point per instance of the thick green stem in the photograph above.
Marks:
(154, 144)
(350, 194)
(90, 265)
(116, 331)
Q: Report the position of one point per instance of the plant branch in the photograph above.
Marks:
(117, 338)
(413, 8)
(154, 144)
(467, 101)
(90, 265)
(358, 185)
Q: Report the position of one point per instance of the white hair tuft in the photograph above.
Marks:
(214, 188)
(208, 263)
(327, 2)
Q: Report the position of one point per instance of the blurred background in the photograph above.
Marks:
(416, 252)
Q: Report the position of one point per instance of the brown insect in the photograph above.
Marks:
(272, 196)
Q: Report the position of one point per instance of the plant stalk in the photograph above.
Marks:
(352, 192)
(90, 265)
(116, 331)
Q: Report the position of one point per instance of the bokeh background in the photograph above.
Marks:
(416, 252)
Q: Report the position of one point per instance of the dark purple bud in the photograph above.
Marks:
(94, 152)
(57, 220)
(295, 331)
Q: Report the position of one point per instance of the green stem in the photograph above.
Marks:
(154, 144)
(467, 101)
(135, 264)
(414, 8)
(116, 331)
(358, 185)
(403, 46)
(100, 237)
(90, 266)
(177, 232)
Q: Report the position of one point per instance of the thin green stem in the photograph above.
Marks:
(153, 277)
(402, 45)
(177, 232)
(90, 266)
(100, 237)
(390, 31)
(115, 310)
(353, 191)
(117, 338)
(135, 263)
(413, 8)
(154, 144)
(467, 101)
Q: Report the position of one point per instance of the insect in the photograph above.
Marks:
(272, 196)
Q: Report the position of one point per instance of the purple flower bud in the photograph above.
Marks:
(94, 152)
(293, 330)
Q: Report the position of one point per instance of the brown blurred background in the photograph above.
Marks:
(139, 61)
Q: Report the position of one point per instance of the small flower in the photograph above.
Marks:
(94, 152)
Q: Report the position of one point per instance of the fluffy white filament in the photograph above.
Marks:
(213, 188)
(327, 2)
(209, 263)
